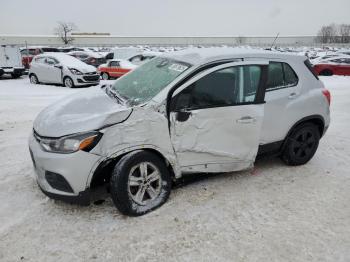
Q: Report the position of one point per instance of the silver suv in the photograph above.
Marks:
(200, 110)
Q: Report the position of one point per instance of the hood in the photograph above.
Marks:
(84, 111)
(84, 68)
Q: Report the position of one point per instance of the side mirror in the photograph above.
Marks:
(58, 66)
(180, 105)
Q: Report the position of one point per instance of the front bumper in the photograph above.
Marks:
(13, 70)
(86, 79)
(74, 169)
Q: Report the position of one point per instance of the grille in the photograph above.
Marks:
(91, 77)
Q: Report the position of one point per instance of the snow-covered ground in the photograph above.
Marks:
(274, 213)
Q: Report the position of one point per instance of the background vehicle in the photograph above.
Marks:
(144, 57)
(115, 68)
(29, 53)
(10, 61)
(63, 69)
(201, 110)
(334, 66)
(90, 58)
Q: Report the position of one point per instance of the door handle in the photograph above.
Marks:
(246, 120)
(292, 95)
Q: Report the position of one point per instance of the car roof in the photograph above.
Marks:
(197, 56)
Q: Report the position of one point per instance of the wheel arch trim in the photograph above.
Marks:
(170, 161)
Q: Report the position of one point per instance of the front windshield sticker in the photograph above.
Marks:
(178, 67)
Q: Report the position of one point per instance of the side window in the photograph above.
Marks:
(225, 87)
(275, 76)
(280, 75)
(290, 78)
(114, 64)
(51, 61)
(40, 59)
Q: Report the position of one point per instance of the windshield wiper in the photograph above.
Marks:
(111, 93)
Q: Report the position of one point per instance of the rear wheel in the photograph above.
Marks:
(68, 82)
(140, 183)
(301, 145)
(34, 79)
(326, 72)
(105, 76)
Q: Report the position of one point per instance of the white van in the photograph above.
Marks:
(10, 61)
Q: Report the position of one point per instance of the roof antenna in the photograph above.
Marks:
(274, 41)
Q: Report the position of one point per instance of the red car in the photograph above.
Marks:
(115, 68)
(333, 66)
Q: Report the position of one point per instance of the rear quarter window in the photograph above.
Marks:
(280, 75)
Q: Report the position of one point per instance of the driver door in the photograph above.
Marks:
(53, 74)
(216, 118)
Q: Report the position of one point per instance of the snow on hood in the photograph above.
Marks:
(84, 111)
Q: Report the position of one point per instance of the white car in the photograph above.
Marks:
(192, 111)
(59, 68)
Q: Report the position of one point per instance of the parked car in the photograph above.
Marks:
(334, 66)
(115, 68)
(90, 58)
(69, 49)
(144, 57)
(29, 53)
(59, 68)
(10, 61)
(201, 110)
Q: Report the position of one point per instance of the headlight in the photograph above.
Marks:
(72, 143)
(75, 71)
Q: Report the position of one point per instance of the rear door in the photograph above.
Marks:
(216, 118)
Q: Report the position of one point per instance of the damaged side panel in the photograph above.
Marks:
(218, 139)
(145, 128)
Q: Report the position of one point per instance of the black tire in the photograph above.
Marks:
(326, 72)
(105, 76)
(301, 145)
(121, 189)
(34, 79)
(67, 80)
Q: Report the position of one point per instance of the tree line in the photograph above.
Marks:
(334, 33)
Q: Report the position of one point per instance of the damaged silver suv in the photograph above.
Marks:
(193, 111)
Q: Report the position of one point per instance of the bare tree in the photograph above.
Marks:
(241, 40)
(328, 34)
(64, 31)
(344, 33)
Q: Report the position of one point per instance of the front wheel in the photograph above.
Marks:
(34, 79)
(105, 76)
(140, 183)
(301, 145)
(68, 82)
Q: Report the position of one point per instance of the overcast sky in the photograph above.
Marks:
(174, 17)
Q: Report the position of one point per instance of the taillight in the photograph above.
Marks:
(327, 94)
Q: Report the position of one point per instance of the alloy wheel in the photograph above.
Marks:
(144, 183)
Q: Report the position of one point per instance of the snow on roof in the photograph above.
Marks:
(202, 55)
(65, 59)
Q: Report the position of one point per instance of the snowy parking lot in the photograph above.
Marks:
(271, 213)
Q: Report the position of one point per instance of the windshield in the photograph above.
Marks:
(146, 81)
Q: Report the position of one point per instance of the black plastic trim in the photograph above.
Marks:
(83, 198)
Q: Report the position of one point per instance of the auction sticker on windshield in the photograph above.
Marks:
(178, 67)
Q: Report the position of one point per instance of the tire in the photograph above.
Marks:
(326, 72)
(68, 82)
(301, 145)
(134, 198)
(34, 79)
(105, 76)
